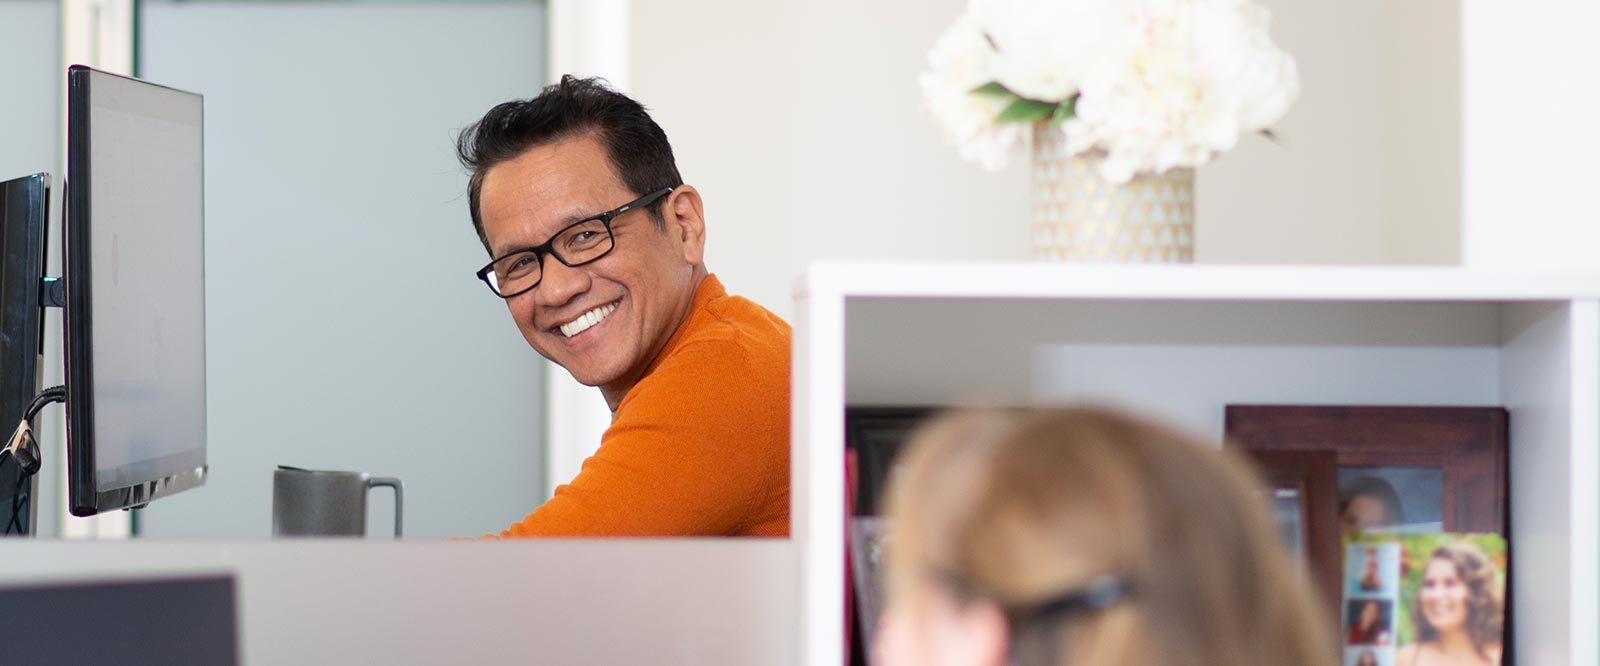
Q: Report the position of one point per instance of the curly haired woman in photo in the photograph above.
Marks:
(1459, 612)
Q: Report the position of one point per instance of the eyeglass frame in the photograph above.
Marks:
(547, 248)
(1099, 593)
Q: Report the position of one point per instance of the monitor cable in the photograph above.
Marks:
(23, 449)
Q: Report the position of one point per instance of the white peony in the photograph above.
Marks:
(1044, 49)
(962, 60)
(1159, 84)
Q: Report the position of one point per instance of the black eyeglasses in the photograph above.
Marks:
(1100, 593)
(577, 244)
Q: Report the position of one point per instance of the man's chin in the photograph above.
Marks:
(588, 377)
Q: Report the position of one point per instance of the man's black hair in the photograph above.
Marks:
(635, 144)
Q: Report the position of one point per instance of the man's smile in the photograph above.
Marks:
(587, 320)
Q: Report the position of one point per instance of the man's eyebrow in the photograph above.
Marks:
(577, 215)
(572, 217)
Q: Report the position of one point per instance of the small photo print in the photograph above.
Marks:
(1391, 499)
(1372, 569)
(1369, 622)
(1368, 656)
(1452, 594)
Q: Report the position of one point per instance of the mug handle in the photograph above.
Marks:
(399, 495)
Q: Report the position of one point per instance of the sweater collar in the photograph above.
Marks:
(709, 289)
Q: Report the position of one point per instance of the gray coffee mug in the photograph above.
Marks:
(319, 503)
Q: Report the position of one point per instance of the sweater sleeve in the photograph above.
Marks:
(693, 451)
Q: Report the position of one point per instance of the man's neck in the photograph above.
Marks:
(616, 391)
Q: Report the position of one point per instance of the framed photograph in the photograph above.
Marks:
(868, 537)
(1394, 470)
(1409, 595)
(877, 434)
(1399, 469)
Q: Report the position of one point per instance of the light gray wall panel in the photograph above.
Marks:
(30, 88)
(345, 327)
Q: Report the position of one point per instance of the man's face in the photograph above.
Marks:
(639, 292)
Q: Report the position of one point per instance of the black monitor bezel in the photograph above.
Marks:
(24, 209)
(84, 496)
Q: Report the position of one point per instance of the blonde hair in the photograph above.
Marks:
(1025, 505)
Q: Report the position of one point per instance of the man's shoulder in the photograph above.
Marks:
(733, 352)
(732, 312)
(737, 351)
(738, 327)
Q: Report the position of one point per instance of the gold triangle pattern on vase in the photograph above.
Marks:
(1078, 216)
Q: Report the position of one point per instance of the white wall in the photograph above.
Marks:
(1530, 137)
(345, 327)
(1367, 169)
(802, 124)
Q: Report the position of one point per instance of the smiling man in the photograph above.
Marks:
(597, 247)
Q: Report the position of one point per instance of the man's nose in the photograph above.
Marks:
(560, 283)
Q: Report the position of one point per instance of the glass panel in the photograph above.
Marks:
(29, 140)
(1286, 512)
(29, 85)
(1391, 499)
(343, 317)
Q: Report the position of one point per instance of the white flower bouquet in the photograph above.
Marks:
(1151, 84)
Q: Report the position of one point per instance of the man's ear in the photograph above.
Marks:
(684, 214)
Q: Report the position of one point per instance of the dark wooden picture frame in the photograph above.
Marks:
(1313, 477)
(1290, 445)
(874, 437)
(877, 434)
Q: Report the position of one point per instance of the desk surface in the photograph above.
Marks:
(578, 601)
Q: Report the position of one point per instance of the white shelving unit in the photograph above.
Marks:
(1182, 342)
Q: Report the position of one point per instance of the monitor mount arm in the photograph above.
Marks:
(22, 447)
(53, 292)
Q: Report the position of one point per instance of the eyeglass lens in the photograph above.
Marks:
(578, 244)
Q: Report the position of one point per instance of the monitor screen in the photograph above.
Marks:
(135, 314)
(181, 620)
(24, 204)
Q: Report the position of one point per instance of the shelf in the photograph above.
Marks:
(1180, 342)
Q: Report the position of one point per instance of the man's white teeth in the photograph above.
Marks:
(587, 319)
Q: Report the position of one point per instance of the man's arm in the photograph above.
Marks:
(698, 448)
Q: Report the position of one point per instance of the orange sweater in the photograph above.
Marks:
(700, 446)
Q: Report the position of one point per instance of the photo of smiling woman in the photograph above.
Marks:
(1458, 611)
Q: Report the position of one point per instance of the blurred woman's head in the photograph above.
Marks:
(1460, 593)
(1028, 536)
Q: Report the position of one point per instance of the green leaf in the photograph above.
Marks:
(993, 88)
(1026, 111)
(1064, 110)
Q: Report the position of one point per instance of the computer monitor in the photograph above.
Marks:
(135, 311)
(189, 619)
(24, 204)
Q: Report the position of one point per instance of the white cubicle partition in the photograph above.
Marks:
(570, 602)
(1183, 342)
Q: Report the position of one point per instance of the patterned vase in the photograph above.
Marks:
(1080, 217)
